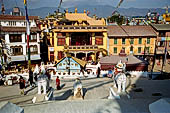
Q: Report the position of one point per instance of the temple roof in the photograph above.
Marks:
(83, 17)
(114, 59)
(81, 62)
(161, 27)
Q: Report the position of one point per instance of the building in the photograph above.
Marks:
(166, 16)
(70, 65)
(136, 40)
(13, 31)
(132, 63)
(80, 35)
(163, 39)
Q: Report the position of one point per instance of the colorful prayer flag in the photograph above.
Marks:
(28, 32)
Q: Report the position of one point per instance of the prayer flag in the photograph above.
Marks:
(28, 31)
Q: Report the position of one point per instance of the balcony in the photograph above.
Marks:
(83, 47)
(80, 27)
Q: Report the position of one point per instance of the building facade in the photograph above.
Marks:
(13, 31)
(163, 39)
(136, 40)
(79, 35)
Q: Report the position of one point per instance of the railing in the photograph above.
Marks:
(80, 27)
(90, 47)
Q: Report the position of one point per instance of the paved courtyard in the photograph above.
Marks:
(95, 100)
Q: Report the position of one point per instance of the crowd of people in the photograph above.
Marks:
(38, 77)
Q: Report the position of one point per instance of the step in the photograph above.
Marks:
(92, 106)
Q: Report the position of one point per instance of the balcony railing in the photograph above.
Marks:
(83, 47)
(80, 27)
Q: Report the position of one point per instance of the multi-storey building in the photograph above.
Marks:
(80, 35)
(13, 31)
(136, 40)
(166, 16)
(163, 39)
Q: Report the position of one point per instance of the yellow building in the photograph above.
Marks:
(166, 16)
(80, 35)
(136, 40)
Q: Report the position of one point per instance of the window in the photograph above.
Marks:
(131, 40)
(123, 40)
(161, 44)
(33, 38)
(60, 55)
(140, 41)
(12, 23)
(99, 41)
(123, 48)
(115, 49)
(148, 40)
(17, 50)
(61, 34)
(33, 49)
(115, 41)
(98, 34)
(61, 41)
(15, 38)
(147, 49)
(161, 34)
(139, 49)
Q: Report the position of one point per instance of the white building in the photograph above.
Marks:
(13, 30)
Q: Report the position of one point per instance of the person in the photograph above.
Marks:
(42, 82)
(31, 77)
(58, 83)
(98, 72)
(22, 85)
(35, 74)
(110, 73)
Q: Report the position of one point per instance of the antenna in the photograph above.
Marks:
(16, 3)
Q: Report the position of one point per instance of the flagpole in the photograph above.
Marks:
(28, 33)
(154, 58)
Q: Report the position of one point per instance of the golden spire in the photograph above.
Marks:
(66, 10)
(84, 11)
(75, 10)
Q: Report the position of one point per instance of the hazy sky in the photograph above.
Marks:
(74, 3)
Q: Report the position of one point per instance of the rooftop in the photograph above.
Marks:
(161, 27)
(84, 17)
(122, 31)
(18, 29)
(114, 59)
(12, 17)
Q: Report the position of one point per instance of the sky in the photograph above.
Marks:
(74, 3)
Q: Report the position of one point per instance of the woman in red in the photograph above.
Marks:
(58, 83)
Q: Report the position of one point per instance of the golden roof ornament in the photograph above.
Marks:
(75, 10)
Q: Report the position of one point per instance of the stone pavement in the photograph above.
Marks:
(95, 99)
(91, 106)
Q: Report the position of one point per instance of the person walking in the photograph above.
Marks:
(98, 72)
(31, 77)
(22, 85)
(58, 83)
